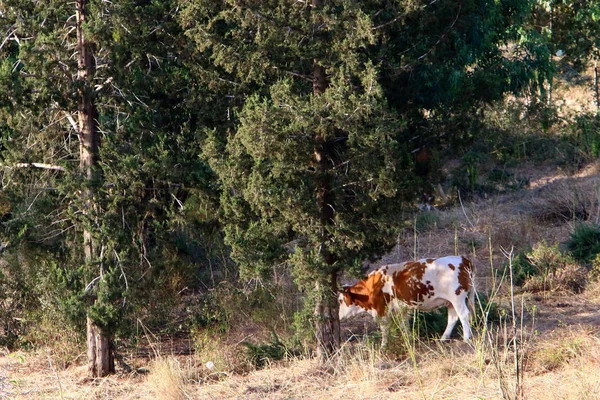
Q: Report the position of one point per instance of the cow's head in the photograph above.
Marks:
(352, 302)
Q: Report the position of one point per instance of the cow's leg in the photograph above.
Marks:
(384, 325)
(452, 320)
(464, 315)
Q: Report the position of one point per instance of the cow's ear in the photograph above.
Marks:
(345, 289)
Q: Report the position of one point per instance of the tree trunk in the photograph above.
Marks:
(100, 355)
(100, 352)
(327, 324)
(596, 90)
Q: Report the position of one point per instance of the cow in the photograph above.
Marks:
(424, 284)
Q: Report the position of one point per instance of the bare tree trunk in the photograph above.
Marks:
(100, 354)
(596, 90)
(327, 324)
(101, 360)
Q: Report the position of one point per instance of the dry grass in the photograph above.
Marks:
(561, 362)
(167, 379)
(558, 335)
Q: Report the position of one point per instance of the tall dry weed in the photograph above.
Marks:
(166, 379)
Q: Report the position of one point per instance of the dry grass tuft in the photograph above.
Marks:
(218, 358)
(166, 378)
(561, 349)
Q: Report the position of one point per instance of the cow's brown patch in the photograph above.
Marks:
(368, 294)
(430, 260)
(408, 283)
(464, 276)
(452, 267)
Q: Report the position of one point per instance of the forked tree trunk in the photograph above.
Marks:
(327, 324)
(100, 354)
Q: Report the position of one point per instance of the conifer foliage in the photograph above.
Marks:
(316, 169)
(134, 131)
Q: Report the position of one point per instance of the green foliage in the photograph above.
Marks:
(261, 355)
(587, 134)
(107, 308)
(426, 220)
(584, 242)
(594, 274)
(266, 306)
(487, 311)
(523, 268)
(428, 324)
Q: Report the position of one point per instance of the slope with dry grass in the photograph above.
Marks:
(557, 332)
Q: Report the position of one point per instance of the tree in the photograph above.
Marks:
(572, 31)
(328, 100)
(313, 172)
(444, 62)
(109, 212)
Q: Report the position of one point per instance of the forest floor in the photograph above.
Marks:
(555, 354)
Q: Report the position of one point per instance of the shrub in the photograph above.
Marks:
(261, 355)
(553, 270)
(523, 269)
(584, 242)
(594, 274)
(426, 220)
(586, 129)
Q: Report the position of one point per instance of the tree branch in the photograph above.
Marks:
(35, 165)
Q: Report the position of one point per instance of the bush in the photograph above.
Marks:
(553, 270)
(584, 243)
(261, 355)
(587, 128)
(523, 269)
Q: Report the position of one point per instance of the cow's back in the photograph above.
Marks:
(430, 283)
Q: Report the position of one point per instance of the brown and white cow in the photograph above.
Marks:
(424, 284)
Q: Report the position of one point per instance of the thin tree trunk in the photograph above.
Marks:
(327, 321)
(327, 324)
(100, 354)
(596, 90)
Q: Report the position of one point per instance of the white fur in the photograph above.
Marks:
(445, 283)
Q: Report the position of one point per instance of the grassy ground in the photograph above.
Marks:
(553, 353)
(560, 359)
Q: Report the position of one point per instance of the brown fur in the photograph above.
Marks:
(368, 294)
(408, 285)
(464, 275)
